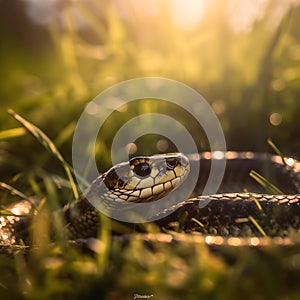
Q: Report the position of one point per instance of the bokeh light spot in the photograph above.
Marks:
(131, 148)
(275, 119)
(162, 145)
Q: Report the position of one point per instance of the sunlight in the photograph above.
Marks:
(187, 14)
(243, 14)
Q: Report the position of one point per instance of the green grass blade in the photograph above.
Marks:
(49, 145)
(12, 133)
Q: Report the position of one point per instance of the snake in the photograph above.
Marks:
(231, 214)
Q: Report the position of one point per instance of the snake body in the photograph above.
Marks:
(147, 179)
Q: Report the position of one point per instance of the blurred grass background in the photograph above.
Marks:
(56, 55)
(242, 57)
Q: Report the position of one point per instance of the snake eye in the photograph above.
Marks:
(142, 169)
(172, 163)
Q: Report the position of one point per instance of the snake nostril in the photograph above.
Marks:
(142, 169)
(172, 163)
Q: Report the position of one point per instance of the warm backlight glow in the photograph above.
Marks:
(187, 13)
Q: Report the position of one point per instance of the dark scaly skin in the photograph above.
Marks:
(279, 215)
(225, 213)
(238, 215)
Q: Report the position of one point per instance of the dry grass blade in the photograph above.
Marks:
(253, 221)
(258, 227)
(49, 145)
(12, 190)
(255, 200)
(265, 183)
(277, 151)
(198, 222)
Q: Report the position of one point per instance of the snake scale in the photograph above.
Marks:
(228, 214)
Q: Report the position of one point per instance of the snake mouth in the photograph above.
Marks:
(147, 179)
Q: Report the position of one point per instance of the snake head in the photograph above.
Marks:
(145, 179)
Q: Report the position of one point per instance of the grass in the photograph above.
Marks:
(50, 74)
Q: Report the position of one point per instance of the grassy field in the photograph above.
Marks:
(244, 59)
